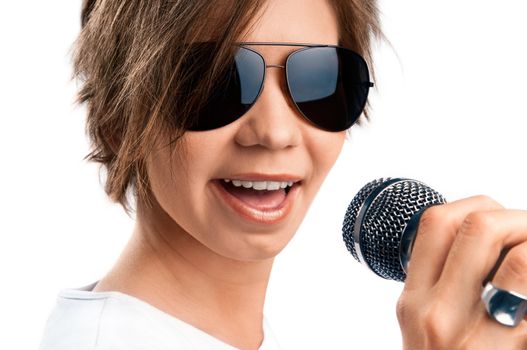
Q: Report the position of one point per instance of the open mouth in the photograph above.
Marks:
(261, 194)
(260, 201)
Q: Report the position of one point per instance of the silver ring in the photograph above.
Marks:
(506, 307)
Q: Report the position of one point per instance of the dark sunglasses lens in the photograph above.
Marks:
(234, 93)
(329, 85)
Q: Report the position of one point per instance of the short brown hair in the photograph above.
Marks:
(130, 60)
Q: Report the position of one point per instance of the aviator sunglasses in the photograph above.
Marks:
(328, 84)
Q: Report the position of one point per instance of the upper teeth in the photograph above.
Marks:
(261, 185)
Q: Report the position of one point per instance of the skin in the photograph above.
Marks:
(456, 248)
(189, 255)
(193, 259)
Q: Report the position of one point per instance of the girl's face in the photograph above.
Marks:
(271, 142)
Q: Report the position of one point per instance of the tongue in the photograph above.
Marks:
(259, 199)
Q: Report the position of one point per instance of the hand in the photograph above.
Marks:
(456, 248)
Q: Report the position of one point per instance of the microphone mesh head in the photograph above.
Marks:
(383, 209)
(353, 212)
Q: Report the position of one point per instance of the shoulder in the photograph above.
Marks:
(83, 320)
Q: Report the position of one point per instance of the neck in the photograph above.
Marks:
(168, 268)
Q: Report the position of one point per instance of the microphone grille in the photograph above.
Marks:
(377, 217)
(353, 212)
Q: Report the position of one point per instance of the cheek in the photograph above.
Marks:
(179, 179)
(324, 151)
(170, 180)
(183, 169)
(178, 190)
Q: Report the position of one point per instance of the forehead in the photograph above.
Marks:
(293, 21)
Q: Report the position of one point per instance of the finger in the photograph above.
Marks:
(437, 229)
(477, 246)
(512, 273)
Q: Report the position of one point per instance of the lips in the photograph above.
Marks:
(257, 206)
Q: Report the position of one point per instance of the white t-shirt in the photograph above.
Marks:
(86, 320)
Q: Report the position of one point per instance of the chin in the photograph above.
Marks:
(255, 247)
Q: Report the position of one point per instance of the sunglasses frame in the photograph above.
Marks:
(305, 46)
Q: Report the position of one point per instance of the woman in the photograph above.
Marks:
(221, 187)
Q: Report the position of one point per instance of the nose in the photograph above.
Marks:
(273, 122)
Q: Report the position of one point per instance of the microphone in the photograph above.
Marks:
(381, 223)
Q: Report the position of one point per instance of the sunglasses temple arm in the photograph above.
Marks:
(367, 84)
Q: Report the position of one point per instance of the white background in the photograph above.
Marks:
(450, 110)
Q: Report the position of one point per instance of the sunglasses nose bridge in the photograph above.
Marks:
(283, 84)
(277, 66)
